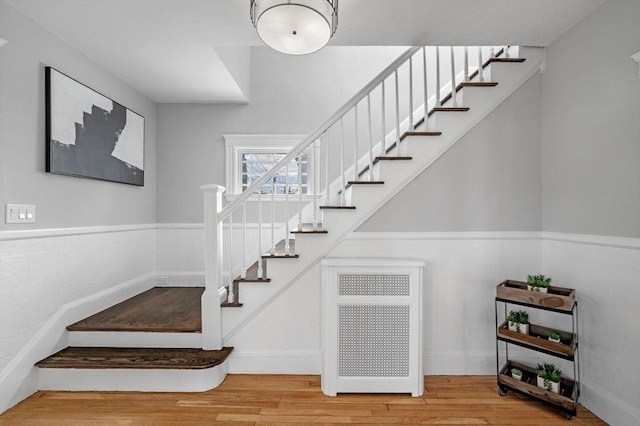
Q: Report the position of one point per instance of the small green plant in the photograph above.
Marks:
(518, 317)
(516, 372)
(549, 373)
(554, 336)
(536, 282)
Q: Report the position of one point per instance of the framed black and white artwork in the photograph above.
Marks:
(89, 135)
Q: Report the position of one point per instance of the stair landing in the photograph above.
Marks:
(160, 309)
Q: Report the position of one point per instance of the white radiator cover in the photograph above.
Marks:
(371, 326)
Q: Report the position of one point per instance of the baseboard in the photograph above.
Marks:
(180, 279)
(20, 378)
(275, 362)
(133, 380)
(607, 406)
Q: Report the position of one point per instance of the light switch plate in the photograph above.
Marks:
(20, 213)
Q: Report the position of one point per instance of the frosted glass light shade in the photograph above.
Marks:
(295, 27)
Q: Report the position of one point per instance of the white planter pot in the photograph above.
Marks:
(537, 289)
(524, 328)
(555, 387)
(554, 340)
(517, 377)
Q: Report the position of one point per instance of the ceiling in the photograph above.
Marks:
(199, 50)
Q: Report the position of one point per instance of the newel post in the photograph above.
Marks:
(211, 314)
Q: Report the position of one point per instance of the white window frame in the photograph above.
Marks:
(235, 145)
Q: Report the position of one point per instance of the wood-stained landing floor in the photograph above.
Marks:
(270, 400)
(160, 309)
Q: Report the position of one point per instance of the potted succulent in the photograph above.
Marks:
(554, 337)
(538, 283)
(518, 321)
(549, 377)
(516, 373)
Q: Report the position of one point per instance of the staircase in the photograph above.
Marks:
(353, 172)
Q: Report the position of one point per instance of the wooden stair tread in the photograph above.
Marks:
(365, 182)
(338, 207)
(393, 158)
(506, 60)
(428, 133)
(478, 84)
(307, 228)
(138, 358)
(280, 254)
(451, 109)
(160, 310)
(252, 276)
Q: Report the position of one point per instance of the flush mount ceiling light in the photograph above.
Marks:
(295, 27)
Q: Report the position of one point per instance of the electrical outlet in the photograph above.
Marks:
(20, 213)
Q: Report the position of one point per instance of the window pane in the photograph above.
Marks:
(255, 164)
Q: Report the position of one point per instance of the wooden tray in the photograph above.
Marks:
(556, 299)
(566, 400)
(537, 339)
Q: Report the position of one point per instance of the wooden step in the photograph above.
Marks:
(506, 60)
(478, 84)
(307, 228)
(280, 254)
(365, 182)
(136, 358)
(338, 207)
(420, 133)
(451, 109)
(252, 276)
(393, 158)
(160, 309)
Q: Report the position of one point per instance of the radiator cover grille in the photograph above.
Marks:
(373, 340)
(374, 285)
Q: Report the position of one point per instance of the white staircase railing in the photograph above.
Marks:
(341, 151)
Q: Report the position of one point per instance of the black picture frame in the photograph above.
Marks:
(90, 135)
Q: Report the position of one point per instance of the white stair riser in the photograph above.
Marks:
(134, 339)
(130, 379)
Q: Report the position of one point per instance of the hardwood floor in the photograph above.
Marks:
(262, 400)
(160, 309)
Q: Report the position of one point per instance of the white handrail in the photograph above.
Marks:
(319, 131)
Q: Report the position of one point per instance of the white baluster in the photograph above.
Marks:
(466, 64)
(273, 213)
(397, 115)
(287, 248)
(480, 67)
(410, 94)
(243, 271)
(492, 52)
(355, 148)
(260, 269)
(426, 97)
(371, 177)
(384, 123)
(326, 170)
(453, 78)
(438, 103)
(343, 201)
(506, 52)
(230, 295)
(299, 162)
(312, 157)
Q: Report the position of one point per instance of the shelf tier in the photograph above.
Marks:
(557, 299)
(537, 339)
(567, 400)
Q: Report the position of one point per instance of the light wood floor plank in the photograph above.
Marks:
(263, 400)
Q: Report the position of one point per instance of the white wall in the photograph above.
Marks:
(83, 243)
(61, 201)
(489, 181)
(590, 126)
(289, 95)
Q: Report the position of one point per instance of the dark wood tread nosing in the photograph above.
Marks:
(478, 84)
(252, 280)
(231, 305)
(338, 207)
(280, 256)
(392, 158)
(451, 109)
(505, 60)
(317, 231)
(365, 182)
(427, 133)
(135, 358)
